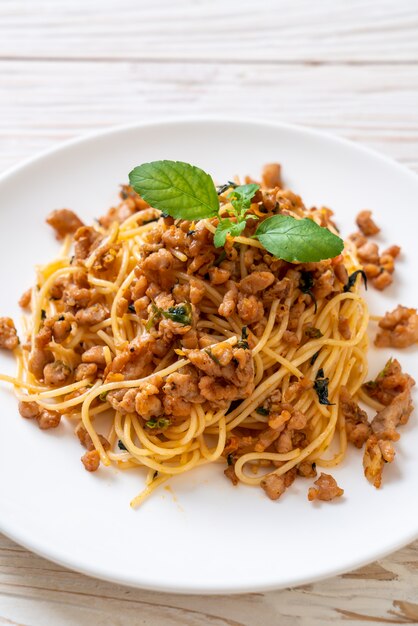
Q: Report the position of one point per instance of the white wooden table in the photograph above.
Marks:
(346, 66)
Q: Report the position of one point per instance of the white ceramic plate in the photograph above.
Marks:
(204, 536)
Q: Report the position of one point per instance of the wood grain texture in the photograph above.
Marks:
(332, 31)
(42, 103)
(36, 592)
(349, 67)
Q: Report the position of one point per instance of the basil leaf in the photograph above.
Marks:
(155, 316)
(314, 357)
(220, 258)
(352, 280)
(242, 195)
(243, 342)
(179, 189)
(158, 422)
(306, 282)
(222, 188)
(321, 388)
(298, 240)
(227, 227)
(313, 333)
(262, 411)
(182, 313)
(305, 285)
(212, 356)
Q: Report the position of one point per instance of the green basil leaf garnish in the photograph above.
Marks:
(182, 190)
(227, 227)
(186, 192)
(296, 240)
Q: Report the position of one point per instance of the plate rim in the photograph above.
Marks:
(102, 572)
(170, 120)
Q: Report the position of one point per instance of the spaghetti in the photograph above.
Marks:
(197, 355)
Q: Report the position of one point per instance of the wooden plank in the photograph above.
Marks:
(333, 31)
(43, 103)
(34, 591)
